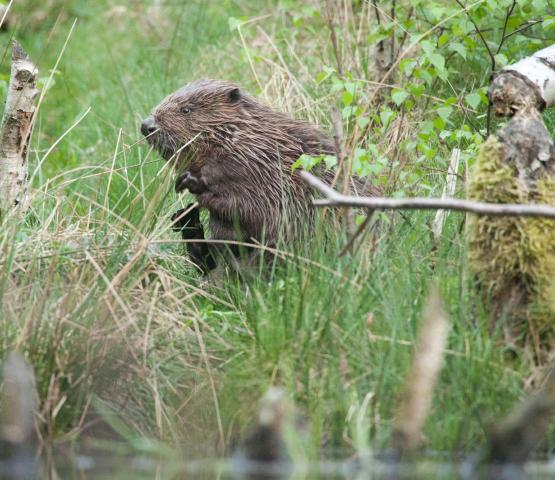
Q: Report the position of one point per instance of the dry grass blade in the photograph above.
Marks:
(448, 191)
(422, 377)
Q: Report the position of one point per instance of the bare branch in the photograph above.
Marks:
(360, 230)
(480, 34)
(336, 199)
(503, 36)
(525, 26)
(490, 53)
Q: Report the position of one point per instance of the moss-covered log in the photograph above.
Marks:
(514, 258)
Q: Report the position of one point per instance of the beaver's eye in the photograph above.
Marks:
(185, 110)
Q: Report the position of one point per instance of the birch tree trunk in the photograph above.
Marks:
(530, 82)
(17, 126)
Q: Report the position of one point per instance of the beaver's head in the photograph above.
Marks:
(201, 114)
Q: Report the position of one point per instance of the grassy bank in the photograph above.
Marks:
(94, 286)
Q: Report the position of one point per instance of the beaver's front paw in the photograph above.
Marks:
(188, 181)
(187, 221)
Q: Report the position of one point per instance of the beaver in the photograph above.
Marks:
(236, 156)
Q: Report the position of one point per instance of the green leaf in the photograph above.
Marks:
(360, 156)
(416, 89)
(347, 98)
(424, 74)
(321, 77)
(443, 39)
(445, 134)
(362, 122)
(459, 48)
(548, 23)
(359, 219)
(444, 112)
(234, 23)
(437, 60)
(399, 96)
(439, 123)
(386, 116)
(407, 66)
(330, 161)
(350, 87)
(428, 47)
(473, 99)
(501, 60)
(306, 161)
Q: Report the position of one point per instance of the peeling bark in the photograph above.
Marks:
(528, 147)
(17, 126)
(530, 82)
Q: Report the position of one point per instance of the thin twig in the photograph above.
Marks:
(349, 245)
(336, 199)
(525, 26)
(503, 37)
(334, 41)
(490, 53)
(392, 57)
(479, 32)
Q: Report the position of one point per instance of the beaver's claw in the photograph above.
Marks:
(188, 181)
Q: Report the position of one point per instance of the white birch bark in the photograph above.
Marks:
(528, 82)
(17, 126)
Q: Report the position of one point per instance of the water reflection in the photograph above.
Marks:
(100, 465)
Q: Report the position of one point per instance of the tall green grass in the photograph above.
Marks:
(96, 290)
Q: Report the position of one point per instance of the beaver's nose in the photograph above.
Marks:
(148, 127)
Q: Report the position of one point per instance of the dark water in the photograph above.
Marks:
(122, 467)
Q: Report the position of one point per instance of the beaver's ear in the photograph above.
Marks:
(234, 95)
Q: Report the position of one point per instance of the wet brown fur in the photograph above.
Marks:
(241, 153)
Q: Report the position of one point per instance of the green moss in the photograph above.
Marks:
(513, 254)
